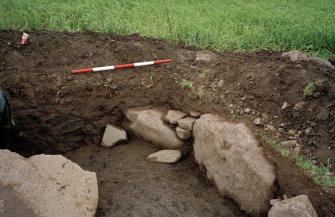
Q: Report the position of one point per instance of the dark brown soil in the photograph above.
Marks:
(57, 112)
(129, 185)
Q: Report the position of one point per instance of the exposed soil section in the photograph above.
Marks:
(56, 111)
(129, 185)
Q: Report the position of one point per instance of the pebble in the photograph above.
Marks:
(313, 124)
(289, 143)
(247, 110)
(314, 162)
(297, 150)
(285, 105)
(299, 106)
(257, 121)
(109, 80)
(308, 131)
(291, 132)
(281, 130)
(220, 84)
(270, 127)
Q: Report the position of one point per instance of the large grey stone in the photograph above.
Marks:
(113, 135)
(174, 115)
(165, 156)
(186, 123)
(149, 124)
(50, 185)
(235, 162)
(294, 207)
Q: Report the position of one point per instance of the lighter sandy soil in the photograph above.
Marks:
(129, 185)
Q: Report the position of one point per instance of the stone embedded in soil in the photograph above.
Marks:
(174, 115)
(257, 121)
(149, 124)
(299, 106)
(113, 135)
(294, 207)
(235, 162)
(323, 114)
(204, 56)
(165, 156)
(183, 134)
(50, 185)
(186, 123)
(289, 143)
(331, 59)
(195, 114)
(285, 105)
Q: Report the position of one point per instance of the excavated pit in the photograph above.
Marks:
(57, 112)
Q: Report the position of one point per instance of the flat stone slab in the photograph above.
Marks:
(186, 123)
(235, 162)
(174, 115)
(294, 207)
(113, 135)
(183, 134)
(149, 124)
(165, 156)
(50, 185)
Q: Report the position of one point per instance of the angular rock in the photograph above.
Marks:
(295, 207)
(113, 135)
(195, 114)
(183, 134)
(235, 162)
(165, 156)
(149, 124)
(50, 185)
(174, 115)
(257, 121)
(186, 123)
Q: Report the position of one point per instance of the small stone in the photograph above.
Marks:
(323, 114)
(297, 150)
(220, 84)
(281, 130)
(109, 80)
(313, 124)
(291, 132)
(243, 98)
(308, 131)
(331, 59)
(273, 201)
(186, 123)
(195, 114)
(174, 115)
(69, 78)
(113, 135)
(183, 134)
(247, 110)
(270, 127)
(257, 121)
(314, 162)
(165, 156)
(289, 143)
(285, 105)
(299, 106)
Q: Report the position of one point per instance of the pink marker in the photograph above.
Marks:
(129, 65)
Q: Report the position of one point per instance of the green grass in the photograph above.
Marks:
(186, 84)
(318, 173)
(242, 25)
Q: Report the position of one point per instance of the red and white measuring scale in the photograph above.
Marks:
(121, 66)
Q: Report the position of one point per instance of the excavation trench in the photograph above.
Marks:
(60, 113)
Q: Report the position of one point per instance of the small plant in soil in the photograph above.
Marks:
(310, 90)
(186, 84)
(318, 173)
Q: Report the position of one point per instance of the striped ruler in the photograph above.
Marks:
(121, 66)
